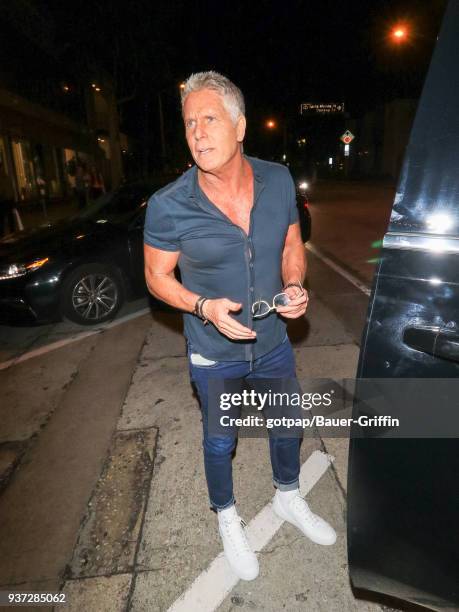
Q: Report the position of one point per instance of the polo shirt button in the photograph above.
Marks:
(251, 264)
(251, 288)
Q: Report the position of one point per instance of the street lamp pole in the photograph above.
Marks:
(271, 124)
(161, 128)
(161, 122)
(284, 137)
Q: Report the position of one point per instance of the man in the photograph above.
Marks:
(231, 225)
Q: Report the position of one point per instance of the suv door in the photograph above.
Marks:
(403, 494)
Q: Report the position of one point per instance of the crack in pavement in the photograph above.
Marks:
(287, 544)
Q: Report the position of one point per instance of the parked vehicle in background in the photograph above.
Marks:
(82, 268)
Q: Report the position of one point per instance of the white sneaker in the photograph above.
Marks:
(290, 506)
(238, 553)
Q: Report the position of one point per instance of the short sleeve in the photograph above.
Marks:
(291, 197)
(159, 230)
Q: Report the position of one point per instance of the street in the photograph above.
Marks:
(348, 221)
(103, 494)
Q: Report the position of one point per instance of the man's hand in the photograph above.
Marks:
(297, 305)
(217, 312)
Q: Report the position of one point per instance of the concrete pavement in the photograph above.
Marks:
(63, 409)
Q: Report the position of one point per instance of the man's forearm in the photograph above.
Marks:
(294, 265)
(167, 288)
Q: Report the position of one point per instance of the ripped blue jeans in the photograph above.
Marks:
(218, 451)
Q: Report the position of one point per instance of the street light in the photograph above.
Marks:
(399, 34)
(271, 124)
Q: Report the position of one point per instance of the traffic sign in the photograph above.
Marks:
(329, 108)
(347, 137)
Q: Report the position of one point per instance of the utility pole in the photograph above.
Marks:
(284, 136)
(161, 129)
(116, 162)
(146, 141)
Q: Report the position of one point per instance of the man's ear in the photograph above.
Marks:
(240, 128)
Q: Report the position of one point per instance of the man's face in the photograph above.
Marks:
(212, 136)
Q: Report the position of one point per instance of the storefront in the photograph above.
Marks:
(38, 149)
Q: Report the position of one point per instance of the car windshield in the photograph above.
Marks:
(118, 206)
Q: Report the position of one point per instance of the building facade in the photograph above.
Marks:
(38, 147)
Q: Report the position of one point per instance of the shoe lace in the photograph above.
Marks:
(301, 507)
(234, 530)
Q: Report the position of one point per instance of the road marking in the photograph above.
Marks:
(211, 587)
(80, 336)
(347, 275)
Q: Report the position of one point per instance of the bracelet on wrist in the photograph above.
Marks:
(197, 305)
(198, 308)
(203, 316)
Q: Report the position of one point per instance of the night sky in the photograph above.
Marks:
(285, 52)
(280, 53)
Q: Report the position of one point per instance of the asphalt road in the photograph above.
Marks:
(349, 221)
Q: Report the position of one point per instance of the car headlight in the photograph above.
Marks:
(15, 270)
(303, 185)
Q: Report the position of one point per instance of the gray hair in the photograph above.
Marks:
(231, 94)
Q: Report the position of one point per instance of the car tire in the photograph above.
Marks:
(92, 294)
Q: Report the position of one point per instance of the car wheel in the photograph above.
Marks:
(92, 294)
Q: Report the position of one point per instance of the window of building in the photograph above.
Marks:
(3, 162)
(25, 174)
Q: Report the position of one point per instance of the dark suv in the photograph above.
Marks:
(403, 493)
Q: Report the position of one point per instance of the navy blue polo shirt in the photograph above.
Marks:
(219, 260)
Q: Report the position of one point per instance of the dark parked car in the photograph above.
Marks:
(82, 268)
(403, 494)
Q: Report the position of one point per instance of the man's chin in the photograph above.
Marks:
(206, 165)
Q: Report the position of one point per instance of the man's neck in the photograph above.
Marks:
(229, 179)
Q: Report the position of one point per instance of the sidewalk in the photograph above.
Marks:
(145, 559)
(58, 415)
